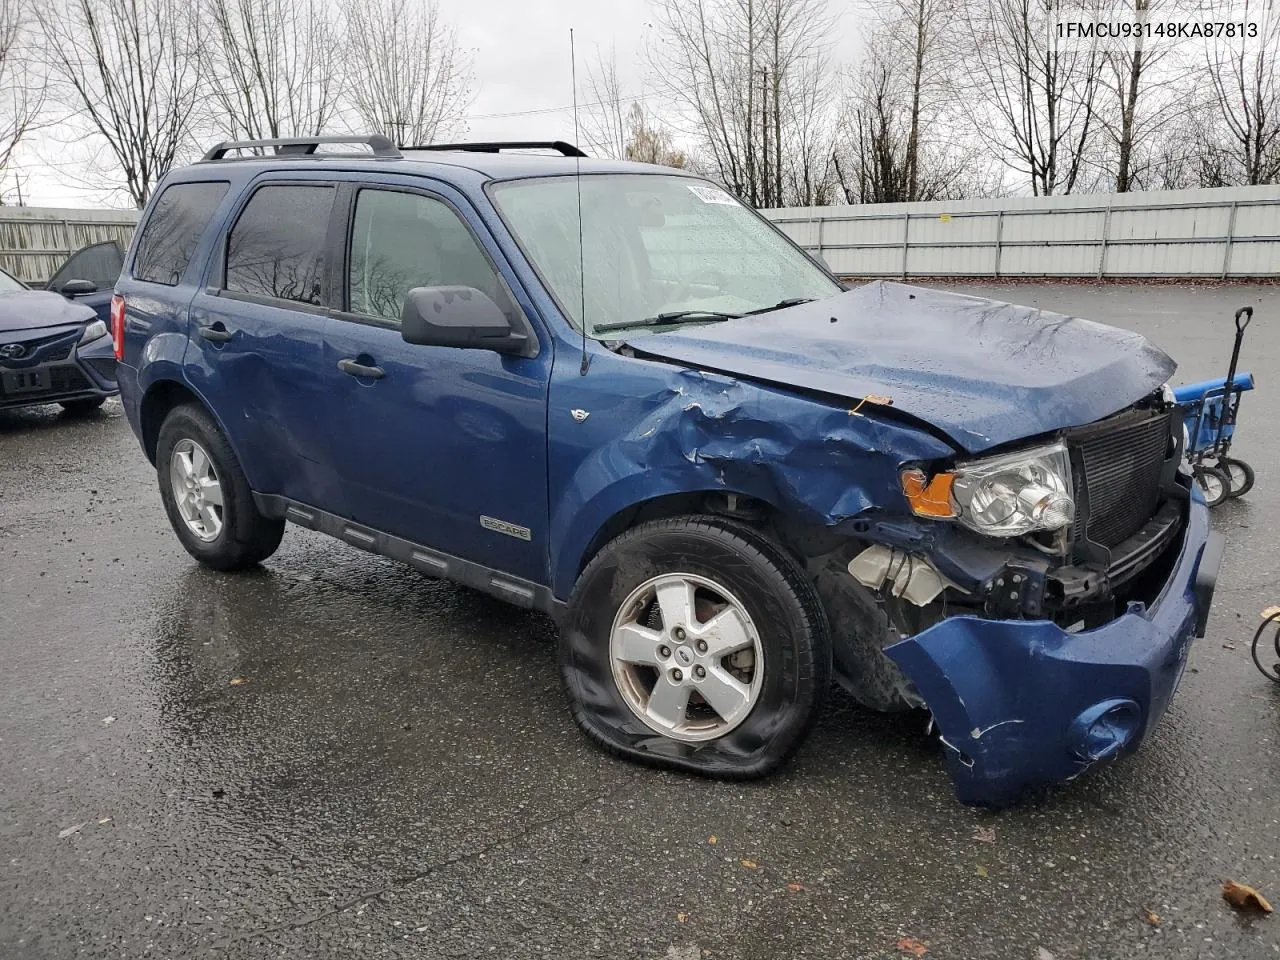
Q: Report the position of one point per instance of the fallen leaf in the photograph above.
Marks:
(1043, 954)
(1241, 896)
(1270, 612)
(912, 946)
(981, 871)
(1228, 646)
(63, 834)
(712, 840)
(108, 721)
(682, 917)
(877, 398)
(795, 887)
(1153, 918)
(237, 681)
(984, 834)
(750, 865)
(104, 820)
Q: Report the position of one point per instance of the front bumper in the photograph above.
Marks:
(1020, 703)
(66, 370)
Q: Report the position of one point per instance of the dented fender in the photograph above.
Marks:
(1020, 703)
(645, 429)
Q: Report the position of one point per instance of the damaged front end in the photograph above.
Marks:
(1051, 649)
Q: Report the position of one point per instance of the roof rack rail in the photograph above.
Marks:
(304, 147)
(565, 149)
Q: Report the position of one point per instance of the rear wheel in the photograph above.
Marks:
(1239, 475)
(1214, 484)
(87, 405)
(696, 643)
(206, 495)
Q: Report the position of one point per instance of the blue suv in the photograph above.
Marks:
(612, 392)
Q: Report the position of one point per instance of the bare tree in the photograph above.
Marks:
(127, 70)
(1242, 75)
(648, 141)
(271, 67)
(1028, 99)
(604, 126)
(753, 75)
(22, 90)
(407, 77)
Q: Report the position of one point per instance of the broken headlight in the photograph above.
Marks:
(1003, 496)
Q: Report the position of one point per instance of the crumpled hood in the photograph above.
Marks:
(35, 309)
(983, 372)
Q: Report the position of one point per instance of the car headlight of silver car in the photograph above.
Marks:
(1004, 496)
(94, 331)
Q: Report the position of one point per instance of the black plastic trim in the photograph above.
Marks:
(436, 563)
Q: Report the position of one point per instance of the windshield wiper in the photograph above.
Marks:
(780, 305)
(675, 316)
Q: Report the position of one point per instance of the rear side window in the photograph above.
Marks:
(276, 248)
(99, 263)
(174, 228)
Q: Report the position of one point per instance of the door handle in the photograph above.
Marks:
(360, 370)
(216, 333)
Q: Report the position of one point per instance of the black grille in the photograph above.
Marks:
(67, 379)
(1119, 462)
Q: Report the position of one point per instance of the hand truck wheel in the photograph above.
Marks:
(1214, 484)
(1239, 475)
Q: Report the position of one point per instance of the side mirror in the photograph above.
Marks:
(457, 317)
(78, 288)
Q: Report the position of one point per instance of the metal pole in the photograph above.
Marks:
(999, 237)
(906, 226)
(1231, 235)
(821, 221)
(1102, 251)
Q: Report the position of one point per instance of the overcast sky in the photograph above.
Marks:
(522, 80)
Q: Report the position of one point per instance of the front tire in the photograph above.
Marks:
(1239, 474)
(206, 495)
(696, 643)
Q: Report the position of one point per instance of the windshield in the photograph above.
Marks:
(8, 284)
(653, 245)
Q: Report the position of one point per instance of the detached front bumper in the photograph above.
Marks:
(1020, 703)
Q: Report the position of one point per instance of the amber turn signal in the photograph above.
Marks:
(928, 496)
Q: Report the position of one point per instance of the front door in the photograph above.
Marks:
(100, 264)
(442, 446)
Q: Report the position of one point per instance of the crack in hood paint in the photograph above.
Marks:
(983, 372)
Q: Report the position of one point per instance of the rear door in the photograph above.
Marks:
(443, 446)
(100, 264)
(257, 338)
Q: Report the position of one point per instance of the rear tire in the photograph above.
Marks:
(1239, 475)
(78, 408)
(206, 495)
(765, 608)
(1214, 484)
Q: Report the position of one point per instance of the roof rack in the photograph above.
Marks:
(565, 149)
(302, 147)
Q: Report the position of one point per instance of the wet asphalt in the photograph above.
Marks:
(336, 757)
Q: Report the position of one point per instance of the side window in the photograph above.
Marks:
(100, 263)
(400, 241)
(175, 226)
(276, 248)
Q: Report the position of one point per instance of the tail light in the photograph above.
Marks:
(117, 325)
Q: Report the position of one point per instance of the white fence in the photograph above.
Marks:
(35, 240)
(1221, 233)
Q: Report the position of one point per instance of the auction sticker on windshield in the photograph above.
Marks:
(708, 194)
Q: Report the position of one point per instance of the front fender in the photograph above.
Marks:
(653, 429)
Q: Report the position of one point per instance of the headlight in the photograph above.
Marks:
(1004, 496)
(93, 332)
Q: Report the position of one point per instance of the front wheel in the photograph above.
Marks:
(1214, 484)
(696, 643)
(206, 495)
